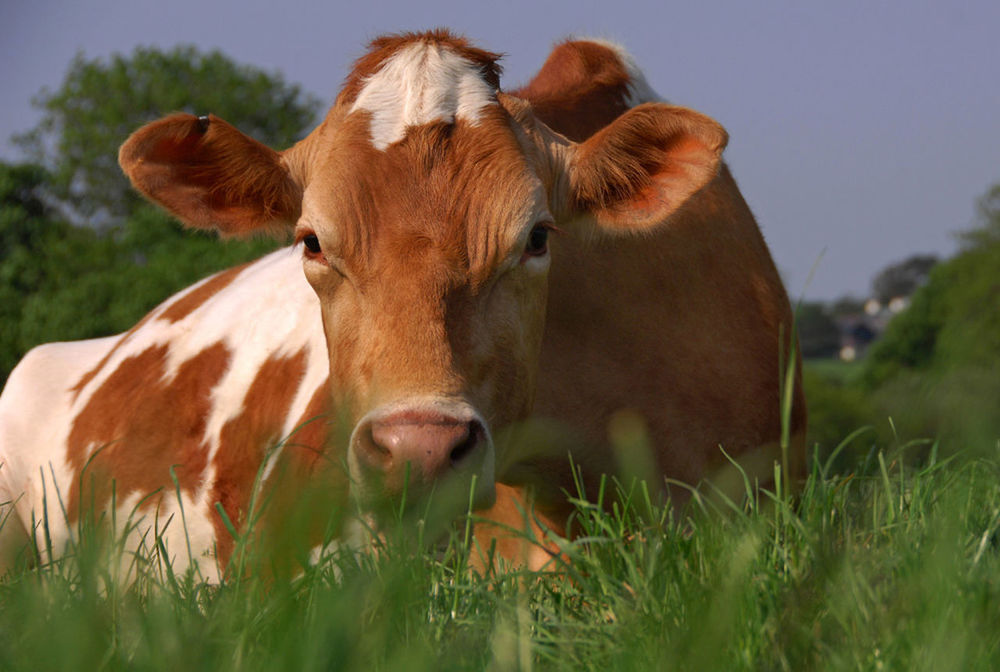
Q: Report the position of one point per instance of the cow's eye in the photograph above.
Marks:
(312, 243)
(538, 241)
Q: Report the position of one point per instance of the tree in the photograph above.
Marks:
(818, 332)
(903, 278)
(23, 219)
(100, 103)
(938, 362)
(60, 280)
(987, 233)
(846, 306)
(38, 250)
(954, 319)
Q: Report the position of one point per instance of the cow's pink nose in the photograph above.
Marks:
(431, 443)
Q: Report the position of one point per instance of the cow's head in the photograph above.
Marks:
(426, 206)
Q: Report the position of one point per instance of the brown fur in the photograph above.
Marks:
(312, 429)
(634, 173)
(425, 289)
(123, 433)
(246, 440)
(515, 518)
(433, 214)
(581, 87)
(122, 340)
(705, 280)
(213, 176)
(191, 301)
(306, 495)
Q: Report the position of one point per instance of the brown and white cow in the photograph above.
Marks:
(465, 259)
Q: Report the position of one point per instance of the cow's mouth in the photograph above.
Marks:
(430, 506)
(430, 524)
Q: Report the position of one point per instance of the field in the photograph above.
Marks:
(886, 558)
(888, 566)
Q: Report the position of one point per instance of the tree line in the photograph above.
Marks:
(935, 371)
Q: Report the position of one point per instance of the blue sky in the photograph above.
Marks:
(861, 132)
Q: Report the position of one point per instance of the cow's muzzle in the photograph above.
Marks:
(414, 451)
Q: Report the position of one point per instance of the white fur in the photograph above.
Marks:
(421, 84)
(268, 310)
(33, 433)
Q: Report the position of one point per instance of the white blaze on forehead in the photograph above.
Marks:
(421, 84)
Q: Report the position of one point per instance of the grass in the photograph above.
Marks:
(840, 372)
(890, 566)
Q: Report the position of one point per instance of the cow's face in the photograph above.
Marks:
(423, 206)
(430, 259)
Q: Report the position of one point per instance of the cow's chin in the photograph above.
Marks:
(423, 514)
(422, 520)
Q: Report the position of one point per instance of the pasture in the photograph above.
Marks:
(887, 566)
(886, 557)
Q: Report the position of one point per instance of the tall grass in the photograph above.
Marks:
(890, 566)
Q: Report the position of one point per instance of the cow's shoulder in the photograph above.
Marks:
(201, 350)
(244, 314)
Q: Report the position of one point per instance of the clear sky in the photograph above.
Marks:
(860, 131)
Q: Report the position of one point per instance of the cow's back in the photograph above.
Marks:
(34, 409)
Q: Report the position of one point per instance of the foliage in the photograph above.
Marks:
(62, 281)
(903, 278)
(988, 233)
(910, 339)
(112, 283)
(846, 306)
(39, 250)
(889, 567)
(953, 322)
(838, 407)
(817, 330)
(958, 406)
(101, 102)
(936, 370)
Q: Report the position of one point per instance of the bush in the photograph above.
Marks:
(837, 409)
(937, 367)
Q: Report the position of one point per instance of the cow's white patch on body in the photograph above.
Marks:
(421, 84)
(268, 311)
(35, 474)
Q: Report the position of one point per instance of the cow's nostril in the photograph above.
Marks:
(467, 445)
(379, 448)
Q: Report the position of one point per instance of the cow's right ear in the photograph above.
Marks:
(635, 172)
(210, 175)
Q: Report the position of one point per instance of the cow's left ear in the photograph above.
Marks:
(635, 172)
(211, 175)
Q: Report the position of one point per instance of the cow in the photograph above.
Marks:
(482, 283)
